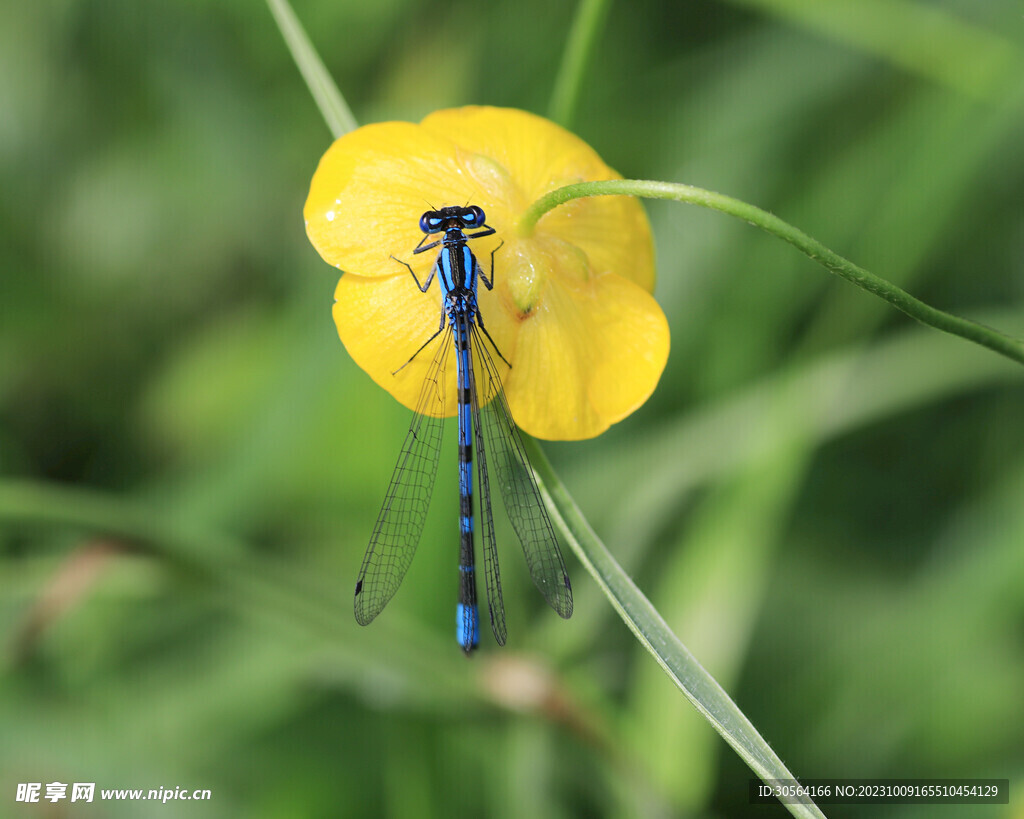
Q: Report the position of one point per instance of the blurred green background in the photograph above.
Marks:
(825, 500)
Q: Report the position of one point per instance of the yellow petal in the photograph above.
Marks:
(629, 342)
(382, 322)
(583, 364)
(368, 193)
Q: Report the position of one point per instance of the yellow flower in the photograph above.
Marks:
(571, 309)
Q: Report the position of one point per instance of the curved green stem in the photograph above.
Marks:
(586, 27)
(994, 340)
(643, 619)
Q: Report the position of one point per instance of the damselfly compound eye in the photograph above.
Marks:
(431, 222)
(473, 217)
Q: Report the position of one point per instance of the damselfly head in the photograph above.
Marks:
(463, 218)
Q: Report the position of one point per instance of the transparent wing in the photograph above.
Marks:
(495, 603)
(404, 512)
(519, 487)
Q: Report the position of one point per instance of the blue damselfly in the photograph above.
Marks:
(483, 415)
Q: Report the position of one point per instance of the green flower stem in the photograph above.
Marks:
(586, 28)
(332, 105)
(643, 619)
(1003, 344)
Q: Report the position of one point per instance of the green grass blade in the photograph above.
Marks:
(637, 612)
(586, 27)
(325, 93)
